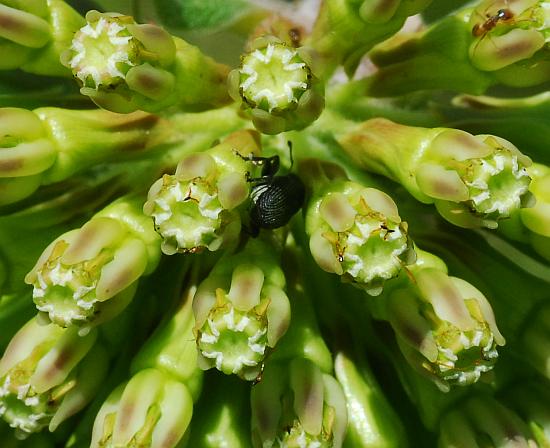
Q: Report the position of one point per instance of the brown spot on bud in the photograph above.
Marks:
(9, 165)
(8, 22)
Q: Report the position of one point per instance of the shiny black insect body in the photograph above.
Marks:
(275, 199)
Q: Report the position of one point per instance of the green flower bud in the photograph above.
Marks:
(172, 348)
(537, 218)
(481, 421)
(530, 400)
(500, 42)
(445, 327)
(85, 138)
(354, 231)
(88, 275)
(25, 28)
(47, 374)
(473, 180)
(151, 410)
(50, 144)
(198, 206)
(532, 225)
(123, 66)
(345, 30)
(33, 33)
(26, 151)
(296, 405)
(507, 32)
(103, 51)
(275, 82)
(241, 311)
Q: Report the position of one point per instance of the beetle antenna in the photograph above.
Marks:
(289, 143)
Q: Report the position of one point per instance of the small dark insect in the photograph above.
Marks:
(295, 36)
(502, 15)
(275, 199)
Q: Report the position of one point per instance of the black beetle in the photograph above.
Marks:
(275, 199)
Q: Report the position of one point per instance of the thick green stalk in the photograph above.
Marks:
(345, 30)
(222, 415)
(154, 408)
(171, 348)
(303, 338)
(535, 339)
(124, 66)
(371, 420)
(347, 100)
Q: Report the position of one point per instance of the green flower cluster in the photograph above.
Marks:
(238, 227)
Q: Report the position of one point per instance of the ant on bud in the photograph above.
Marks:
(502, 16)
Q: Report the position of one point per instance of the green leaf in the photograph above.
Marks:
(196, 14)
